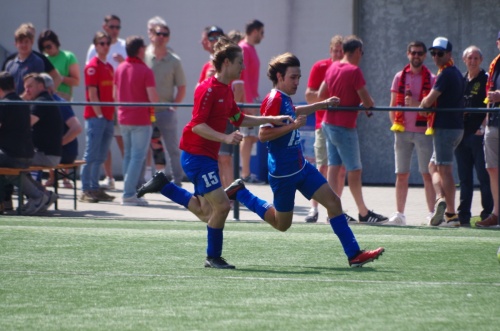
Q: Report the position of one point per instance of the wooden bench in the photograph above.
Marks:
(59, 173)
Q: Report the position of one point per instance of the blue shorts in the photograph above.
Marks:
(342, 145)
(445, 142)
(202, 171)
(307, 181)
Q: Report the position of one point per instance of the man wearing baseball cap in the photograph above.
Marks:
(491, 137)
(447, 129)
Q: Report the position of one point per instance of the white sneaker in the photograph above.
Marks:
(397, 219)
(108, 183)
(439, 209)
(134, 201)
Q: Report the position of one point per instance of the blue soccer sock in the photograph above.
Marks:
(346, 237)
(215, 238)
(176, 194)
(252, 202)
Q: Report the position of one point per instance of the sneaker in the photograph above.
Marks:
(108, 183)
(87, 196)
(218, 262)
(232, 189)
(312, 216)
(372, 218)
(100, 195)
(154, 185)
(134, 201)
(450, 222)
(349, 218)
(439, 209)
(252, 179)
(35, 205)
(52, 199)
(365, 256)
(489, 221)
(397, 219)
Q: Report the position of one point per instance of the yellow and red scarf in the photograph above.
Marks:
(399, 124)
(491, 72)
(431, 116)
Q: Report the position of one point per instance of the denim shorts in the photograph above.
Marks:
(202, 171)
(343, 146)
(445, 141)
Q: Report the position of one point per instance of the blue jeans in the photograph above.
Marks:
(99, 132)
(470, 155)
(136, 140)
(342, 146)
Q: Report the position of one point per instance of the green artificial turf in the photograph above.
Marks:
(91, 274)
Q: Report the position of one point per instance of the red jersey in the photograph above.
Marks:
(213, 105)
(99, 74)
(316, 77)
(344, 80)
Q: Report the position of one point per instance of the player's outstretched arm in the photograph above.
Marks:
(325, 104)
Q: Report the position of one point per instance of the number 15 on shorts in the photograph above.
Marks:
(210, 179)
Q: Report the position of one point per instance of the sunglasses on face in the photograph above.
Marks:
(214, 37)
(439, 54)
(414, 53)
(163, 34)
(114, 27)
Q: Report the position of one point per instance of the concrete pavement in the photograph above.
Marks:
(379, 199)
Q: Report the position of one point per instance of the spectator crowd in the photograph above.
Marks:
(149, 71)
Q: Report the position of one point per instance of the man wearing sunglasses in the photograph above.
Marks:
(448, 127)
(171, 87)
(409, 86)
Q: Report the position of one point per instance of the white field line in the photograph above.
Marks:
(108, 274)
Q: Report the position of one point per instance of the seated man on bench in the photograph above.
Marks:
(16, 143)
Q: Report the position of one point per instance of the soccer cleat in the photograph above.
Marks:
(372, 218)
(365, 256)
(439, 209)
(154, 185)
(489, 221)
(397, 219)
(218, 263)
(312, 216)
(232, 189)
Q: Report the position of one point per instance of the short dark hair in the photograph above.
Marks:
(133, 45)
(100, 34)
(279, 64)
(224, 48)
(111, 17)
(48, 35)
(253, 25)
(351, 44)
(416, 43)
(6, 81)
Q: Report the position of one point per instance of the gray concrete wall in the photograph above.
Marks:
(302, 27)
(386, 27)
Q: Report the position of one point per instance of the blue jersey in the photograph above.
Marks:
(285, 157)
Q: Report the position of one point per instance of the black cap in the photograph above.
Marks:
(214, 32)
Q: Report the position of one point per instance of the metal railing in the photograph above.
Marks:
(236, 151)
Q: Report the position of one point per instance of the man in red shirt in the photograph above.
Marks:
(200, 143)
(248, 88)
(99, 128)
(345, 80)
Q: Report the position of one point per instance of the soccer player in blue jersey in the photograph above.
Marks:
(288, 169)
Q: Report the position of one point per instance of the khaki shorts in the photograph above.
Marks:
(405, 143)
(491, 147)
(320, 148)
